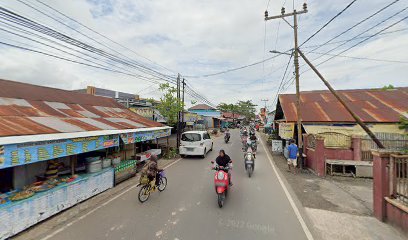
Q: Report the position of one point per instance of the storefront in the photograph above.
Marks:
(56, 173)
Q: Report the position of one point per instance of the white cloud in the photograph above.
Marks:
(200, 37)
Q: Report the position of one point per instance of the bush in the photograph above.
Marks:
(170, 154)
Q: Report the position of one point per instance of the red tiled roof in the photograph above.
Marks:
(201, 107)
(230, 115)
(371, 105)
(27, 109)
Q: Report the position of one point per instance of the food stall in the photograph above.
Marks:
(36, 200)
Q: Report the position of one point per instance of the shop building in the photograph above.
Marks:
(58, 148)
(211, 116)
(330, 133)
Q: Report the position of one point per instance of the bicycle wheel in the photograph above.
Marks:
(162, 184)
(144, 193)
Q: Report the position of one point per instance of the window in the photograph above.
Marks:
(191, 137)
(207, 136)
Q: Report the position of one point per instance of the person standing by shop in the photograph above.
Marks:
(293, 153)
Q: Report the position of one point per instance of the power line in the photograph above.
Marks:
(235, 69)
(331, 20)
(104, 36)
(355, 38)
(359, 58)
(357, 24)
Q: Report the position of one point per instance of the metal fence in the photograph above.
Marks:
(391, 141)
(336, 140)
(399, 178)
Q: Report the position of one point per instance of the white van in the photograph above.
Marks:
(195, 143)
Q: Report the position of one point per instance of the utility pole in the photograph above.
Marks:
(182, 114)
(296, 61)
(178, 113)
(358, 120)
(265, 100)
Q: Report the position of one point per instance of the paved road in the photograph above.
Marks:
(256, 208)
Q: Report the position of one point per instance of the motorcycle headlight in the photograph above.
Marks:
(220, 175)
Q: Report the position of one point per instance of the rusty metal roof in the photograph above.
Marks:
(27, 109)
(371, 105)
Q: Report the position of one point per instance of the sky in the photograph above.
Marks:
(196, 38)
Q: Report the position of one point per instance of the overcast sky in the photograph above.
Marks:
(198, 37)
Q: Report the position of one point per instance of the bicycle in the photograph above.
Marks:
(149, 187)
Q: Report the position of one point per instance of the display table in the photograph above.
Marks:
(143, 156)
(20, 215)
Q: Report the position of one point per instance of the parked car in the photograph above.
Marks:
(195, 143)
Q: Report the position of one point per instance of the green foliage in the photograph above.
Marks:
(389, 87)
(404, 123)
(171, 153)
(245, 108)
(169, 106)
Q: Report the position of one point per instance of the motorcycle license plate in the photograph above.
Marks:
(249, 162)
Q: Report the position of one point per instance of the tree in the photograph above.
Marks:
(244, 108)
(404, 123)
(169, 106)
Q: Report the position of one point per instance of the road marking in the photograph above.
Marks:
(100, 206)
(291, 201)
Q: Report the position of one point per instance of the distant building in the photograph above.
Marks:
(141, 106)
(211, 116)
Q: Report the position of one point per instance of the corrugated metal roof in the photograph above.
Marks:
(27, 109)
(201, 107)
(371, 105)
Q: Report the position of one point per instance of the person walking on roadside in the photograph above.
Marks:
(293, 154)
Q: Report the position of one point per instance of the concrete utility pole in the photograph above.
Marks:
(296, 61)
(182, 113)
(358, 120)
(178, 113)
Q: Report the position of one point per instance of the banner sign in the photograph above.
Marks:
(286, 130)
(25, 153)
(144, 112)
(129, 138)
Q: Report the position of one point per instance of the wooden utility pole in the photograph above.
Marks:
(358, 120)
(296, 61)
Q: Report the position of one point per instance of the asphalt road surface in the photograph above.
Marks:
(256, 207)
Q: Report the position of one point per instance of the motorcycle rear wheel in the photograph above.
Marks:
(221, 200)
(144, 193)
(249, 170)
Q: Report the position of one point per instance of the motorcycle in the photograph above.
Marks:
(254, 146)
(227, 137)
(148, 187)
(249, 162)
(221, 182)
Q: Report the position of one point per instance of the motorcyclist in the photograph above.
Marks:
(224, 160)
(227, 132)
(152, 170)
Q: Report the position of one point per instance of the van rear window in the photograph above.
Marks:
(191, 137)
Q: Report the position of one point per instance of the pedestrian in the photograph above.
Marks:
(293, 154)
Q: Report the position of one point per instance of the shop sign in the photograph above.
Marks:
(129, 138)
(144, 112)
(25, 153)
(286, 130)
(277, 146)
